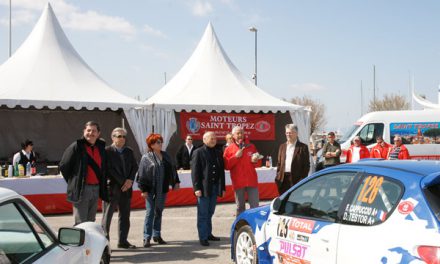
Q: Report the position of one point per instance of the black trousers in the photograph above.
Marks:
(120, 201)
(285, 184)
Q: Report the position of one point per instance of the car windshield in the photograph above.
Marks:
(348, 134)
(21, 236)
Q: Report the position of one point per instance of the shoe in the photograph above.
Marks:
(204, 243)
(213, 238)
(159, 240)
(147, 243)
(126, 245)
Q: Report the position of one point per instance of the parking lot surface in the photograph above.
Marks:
(178, 229)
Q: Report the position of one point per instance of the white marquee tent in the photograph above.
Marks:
(46, 71)
(209, 81)
(46, 85)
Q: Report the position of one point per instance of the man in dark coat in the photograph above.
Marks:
(121, 168)
(208, 177)
(184, 154)
(293, 160)
(83, 168)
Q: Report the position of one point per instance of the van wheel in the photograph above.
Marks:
(105, 258)
(245, 248)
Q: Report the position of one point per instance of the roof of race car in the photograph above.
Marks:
(421, 167)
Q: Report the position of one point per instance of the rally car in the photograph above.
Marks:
(25, 236)
(366, 212)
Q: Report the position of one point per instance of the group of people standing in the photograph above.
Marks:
(93, 170)
(358, 151)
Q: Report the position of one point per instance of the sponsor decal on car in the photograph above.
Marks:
(302, 238)
(302, 225)
(292, 252)
(283, 227)
(286, 259)
(405, 207)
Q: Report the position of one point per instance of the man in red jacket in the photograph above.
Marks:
(241, 159)
(357, 151)
(398, 151)
(380, 151)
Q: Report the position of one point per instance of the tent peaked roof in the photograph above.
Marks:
(46, 71)
(209, 81)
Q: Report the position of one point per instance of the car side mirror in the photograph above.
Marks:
(71, 236)
(275, 205)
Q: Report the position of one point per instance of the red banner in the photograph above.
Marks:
(256, 126)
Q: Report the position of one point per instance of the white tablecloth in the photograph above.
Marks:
(55, 183)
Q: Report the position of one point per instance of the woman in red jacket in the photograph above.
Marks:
(357, 151)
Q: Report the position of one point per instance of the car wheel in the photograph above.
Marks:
(105, 258)
(245, 246)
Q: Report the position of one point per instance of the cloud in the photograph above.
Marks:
(200, 7)
(94, 21)
(70, 16)
(19, 17)
(307, 87)
(154, 32)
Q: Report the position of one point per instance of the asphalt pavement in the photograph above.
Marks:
(178, 229)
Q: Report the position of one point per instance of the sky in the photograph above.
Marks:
(321, 49)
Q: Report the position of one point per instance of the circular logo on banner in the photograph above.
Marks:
(405, 207)
(262, 126)
(193, 125)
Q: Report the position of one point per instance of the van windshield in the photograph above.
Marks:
(349, 132)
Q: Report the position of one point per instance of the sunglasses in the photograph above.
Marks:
(159, 142)
(120, 136)
(189, 139)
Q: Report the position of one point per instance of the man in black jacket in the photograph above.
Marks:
(121, 169)
(184, 154)
(208, 177)
(83, 168)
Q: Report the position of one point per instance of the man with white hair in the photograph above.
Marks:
(293, 160)
(208, 177)
(121, 169)
(357, 151)
(398, 151)
(241, 159)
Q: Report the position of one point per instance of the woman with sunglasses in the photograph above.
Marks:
(155, 175)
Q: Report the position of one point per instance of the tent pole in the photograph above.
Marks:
(152, 118)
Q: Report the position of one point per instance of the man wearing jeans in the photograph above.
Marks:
(208, 177)
(241, 159)
(83, 168)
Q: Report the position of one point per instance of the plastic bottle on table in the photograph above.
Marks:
(21, 170)
(10, 171)
(33, 169)
(16, 169)
(28, 169)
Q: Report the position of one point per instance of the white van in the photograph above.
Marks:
(419, 129)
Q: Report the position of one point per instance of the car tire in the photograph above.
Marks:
(245, 248)
(105, 258)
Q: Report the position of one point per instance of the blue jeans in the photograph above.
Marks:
(205, 211)
(153, 215)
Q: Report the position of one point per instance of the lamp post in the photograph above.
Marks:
(255, 30)
(10, 28)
